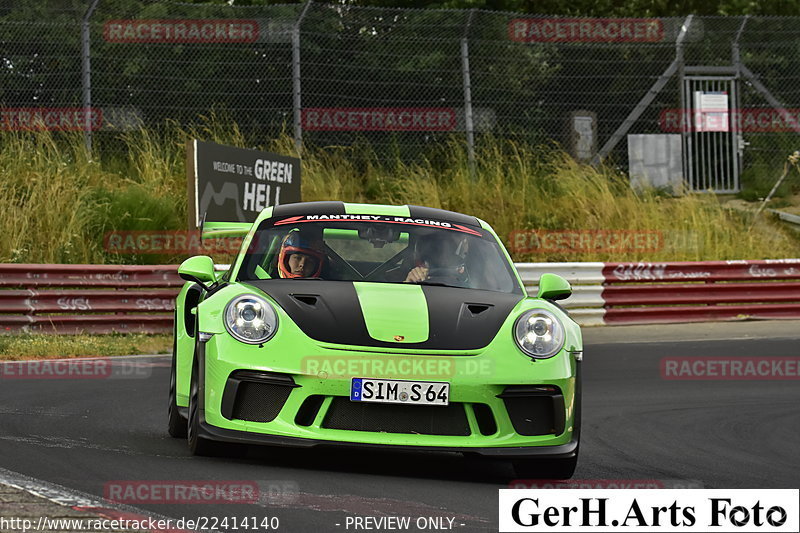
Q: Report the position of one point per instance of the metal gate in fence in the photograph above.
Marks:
(711, 142)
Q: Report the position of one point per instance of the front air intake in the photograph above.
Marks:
(391, 418)
(535, 410)
(255, 396)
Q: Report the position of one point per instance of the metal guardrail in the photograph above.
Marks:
(586, 303)
(69, 299)
(117, 276)
(650, 293)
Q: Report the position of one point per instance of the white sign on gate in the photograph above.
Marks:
(711, 111)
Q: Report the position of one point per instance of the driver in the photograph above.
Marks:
(300, 256)
(439, 255)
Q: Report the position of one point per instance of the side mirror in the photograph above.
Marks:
(199, 268)
(554, 287)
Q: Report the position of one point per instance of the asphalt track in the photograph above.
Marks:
(85, 433)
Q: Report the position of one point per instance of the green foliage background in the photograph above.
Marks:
(588, 8)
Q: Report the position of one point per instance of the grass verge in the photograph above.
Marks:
(22, 347)
(59, 203)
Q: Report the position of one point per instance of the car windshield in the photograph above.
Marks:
(375, 248)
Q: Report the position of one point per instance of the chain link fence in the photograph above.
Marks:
(402, 81)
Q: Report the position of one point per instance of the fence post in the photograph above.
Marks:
(735, 119)
(647, 99)
(86, 76)
(468, 119)
(736, 56)
(297, 100)
(685, 114)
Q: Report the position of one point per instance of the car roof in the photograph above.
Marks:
(344, 208)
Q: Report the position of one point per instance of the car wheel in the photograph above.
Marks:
(197, 444)
(176, 424)
(541, 468)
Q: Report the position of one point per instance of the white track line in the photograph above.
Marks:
(67, 497)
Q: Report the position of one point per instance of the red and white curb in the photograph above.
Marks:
(82, 502)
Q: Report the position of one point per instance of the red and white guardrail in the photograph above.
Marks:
(87, 298)
(651, 293)
(123, 298)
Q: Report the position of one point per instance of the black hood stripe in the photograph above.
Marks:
(329, 311)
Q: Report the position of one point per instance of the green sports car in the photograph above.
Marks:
(358, 325)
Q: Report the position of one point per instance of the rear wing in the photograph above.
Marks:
(214, 230)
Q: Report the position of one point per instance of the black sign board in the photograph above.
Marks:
(230, 184)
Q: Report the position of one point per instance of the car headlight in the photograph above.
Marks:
(539, 333)
(249, 318)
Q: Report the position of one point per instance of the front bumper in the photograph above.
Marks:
(562, 451)
(493, 373)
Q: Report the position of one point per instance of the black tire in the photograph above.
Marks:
(176, 424)
(541, 468)
(197, 444)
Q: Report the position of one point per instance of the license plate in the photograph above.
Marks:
(400, 391)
